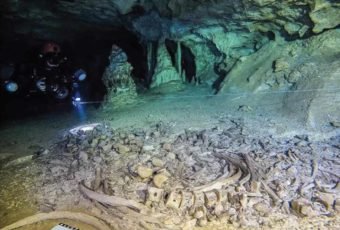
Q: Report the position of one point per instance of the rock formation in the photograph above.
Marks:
(118, 79)
(246, 37)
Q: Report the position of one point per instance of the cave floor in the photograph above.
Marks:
(186, 108)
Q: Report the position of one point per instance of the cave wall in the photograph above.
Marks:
(262, 44)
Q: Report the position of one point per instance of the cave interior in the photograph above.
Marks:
(171, 114)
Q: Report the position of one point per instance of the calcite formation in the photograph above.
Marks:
(164, 71)
(118, 79)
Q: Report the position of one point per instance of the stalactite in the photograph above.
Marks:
(179, 60)
(152, 49)
(149, 61)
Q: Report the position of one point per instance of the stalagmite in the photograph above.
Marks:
(179, 60)
(149, 60)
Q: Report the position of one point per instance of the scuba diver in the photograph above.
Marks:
(50, 70)
(51, 75)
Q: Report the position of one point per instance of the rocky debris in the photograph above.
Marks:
(211, 174)
(280, 65)
(326, 199)
(122, 149)
(17, 161)
(337, 205)
(303, 207)
(294, 76)
(157, 162)
(159, 180)
(144, 172)
(244, 108)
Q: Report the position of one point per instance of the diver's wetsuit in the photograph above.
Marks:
(50, 69)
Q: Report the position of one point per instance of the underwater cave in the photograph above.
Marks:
(169, 114)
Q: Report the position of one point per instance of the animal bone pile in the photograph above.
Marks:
(155, 179)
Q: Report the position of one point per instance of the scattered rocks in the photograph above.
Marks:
(144, 172)
(337, 205)
(294, 76)
(189, 224)
(83, 157)
(280, 65)
(171, 156)
(199, 214)
(327, 200)
(107, 148)
(157, 162)
(94, 142)
(57, 170)
(167, 147)
(148, 148)
(244, 108)
(303, 207)
(18, 161)
(202, 222)
(262, 207)
(122, 149)
(159, 180)
(307, 210)
(161, 172)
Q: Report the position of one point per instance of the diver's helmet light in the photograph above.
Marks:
(76, 101)
(80, 75)
(11, 86)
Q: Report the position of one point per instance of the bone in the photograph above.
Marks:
(200, 212)
(98, 179)
(187, 200)
(112, 200)
(222, 195)
(174, 200)
(81, 217)
(210, 199)
(219, 183)
(198, 199)
(155, 194)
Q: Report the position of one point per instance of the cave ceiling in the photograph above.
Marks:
(158, 19)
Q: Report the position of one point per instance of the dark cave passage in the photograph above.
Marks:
(92, 50)
(88, 50)
(188, 64)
